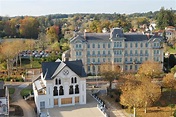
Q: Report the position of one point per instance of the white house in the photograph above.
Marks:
(4, 99)
(60, 84)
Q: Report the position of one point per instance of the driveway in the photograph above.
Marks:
(18, 100)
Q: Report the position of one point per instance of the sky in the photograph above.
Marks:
(46, 7)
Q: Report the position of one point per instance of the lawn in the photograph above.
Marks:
(11, 91)
(25, 92)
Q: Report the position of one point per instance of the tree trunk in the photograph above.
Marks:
(134, 111)
(110, 85)
(145, 107)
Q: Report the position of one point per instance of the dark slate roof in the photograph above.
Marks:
(136, 37)
(116, 32)
(49, 68)
(77, 67)
(2, 92)
(94, 37)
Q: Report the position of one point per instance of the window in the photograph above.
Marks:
(141, 52)
(88, 52)
(98, 45)
(131, 45)
(117, 59)
(88, 60)
(131, 52)
(98, 60)
(109, 45)
(72, 80)
(71, 89)
(131, 67)
(136, 44)
(42, 104)
(146, 52)
(109, 53)
(55, 91)
(141, 59)
(118, 52)
(141, 45)
(88, 45)
(126, 67)
(126, 52)
(104, 45)
(88, 68)
(93, 60)
(93, 45)
(136, 52)
(61, 90)
(117, 44)
(98, 52)
(56, 81)
(146, 44)
(104, 52)
(126, 59)
(104, 60)
(131, 59)
(93, 53)
(136, 67)
(59, 81)
(76, 89)
(75, 80)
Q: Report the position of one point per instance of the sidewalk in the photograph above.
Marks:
(113, 107)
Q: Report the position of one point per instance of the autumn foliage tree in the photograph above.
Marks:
(150, 69)
(169, 81)
(110, 72)
(29, 27)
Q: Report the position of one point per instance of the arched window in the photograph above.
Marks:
(75, 80)
(71, 89)
(55, 91)
(59, 81)
(76, 89)
(72, 80)
(61, 90)
(56, 81)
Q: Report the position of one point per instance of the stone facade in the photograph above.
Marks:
(128, 50)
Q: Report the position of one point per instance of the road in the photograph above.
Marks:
(18, 100)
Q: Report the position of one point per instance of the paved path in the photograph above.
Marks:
(18, 100)
(114, 109)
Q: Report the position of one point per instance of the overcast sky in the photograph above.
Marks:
(45, 7)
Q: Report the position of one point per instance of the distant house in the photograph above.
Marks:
(4, 99)
(60, 84)
(170, 32)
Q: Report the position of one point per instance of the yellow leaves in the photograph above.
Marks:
(169, 80)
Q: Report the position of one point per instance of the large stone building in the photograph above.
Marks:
(60, 84)
(128, 50)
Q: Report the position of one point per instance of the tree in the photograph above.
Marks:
(150, 68)
(29, 27)
(53, 33)
(150, 93)
(42, 40)
(169, 81)
(110, 72)
(165, 18)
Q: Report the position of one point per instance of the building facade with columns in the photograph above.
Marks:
(128, 50)
(60, 84)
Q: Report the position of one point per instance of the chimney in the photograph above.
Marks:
(85, 33)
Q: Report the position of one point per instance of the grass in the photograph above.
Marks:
(11, 91)
(25, 92)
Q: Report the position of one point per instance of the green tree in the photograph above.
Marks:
(165, 18)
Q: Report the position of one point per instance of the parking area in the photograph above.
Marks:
(87, 110)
